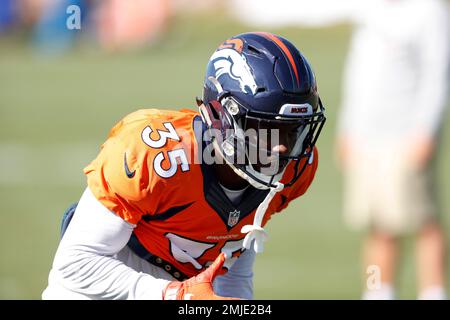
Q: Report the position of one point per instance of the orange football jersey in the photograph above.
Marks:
(148, 172)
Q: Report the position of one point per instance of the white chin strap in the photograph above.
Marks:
(255, 231)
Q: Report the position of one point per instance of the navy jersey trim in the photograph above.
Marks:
(166, 214)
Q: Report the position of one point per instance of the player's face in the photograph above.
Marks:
(272, 142)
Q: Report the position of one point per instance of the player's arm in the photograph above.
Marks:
(434, 62)
(85, 267)
(238, 281)
(122, 187)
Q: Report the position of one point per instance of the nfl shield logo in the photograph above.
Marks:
(233, 218)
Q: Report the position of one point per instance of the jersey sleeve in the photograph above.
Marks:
(130, 173)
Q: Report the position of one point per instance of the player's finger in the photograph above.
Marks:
(215, 267)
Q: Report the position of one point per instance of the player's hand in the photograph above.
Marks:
(343, 152)
(421, 151)
(198, 287)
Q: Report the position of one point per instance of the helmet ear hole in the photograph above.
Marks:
(260, 89)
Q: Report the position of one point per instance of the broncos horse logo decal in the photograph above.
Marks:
(228, 60)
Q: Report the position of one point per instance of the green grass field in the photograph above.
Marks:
(55, 113)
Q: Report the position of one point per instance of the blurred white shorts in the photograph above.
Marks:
(383, 191)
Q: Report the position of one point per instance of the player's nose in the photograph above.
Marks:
(280, 149)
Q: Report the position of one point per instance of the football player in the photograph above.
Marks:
(176, 201)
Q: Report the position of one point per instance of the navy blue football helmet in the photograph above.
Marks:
(261, 81)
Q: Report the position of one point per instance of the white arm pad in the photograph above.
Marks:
(85, 264)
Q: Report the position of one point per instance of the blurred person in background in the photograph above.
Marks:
(131, 24)
(116, 25)
(21, 14)
(8, 14)
(394, 95)
(51, 34)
